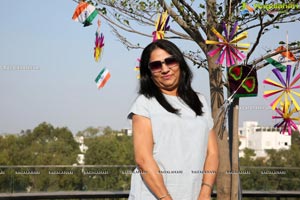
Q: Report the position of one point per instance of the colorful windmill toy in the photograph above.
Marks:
(286, 112)
(228, 46)
(287, 89)
(161, 26)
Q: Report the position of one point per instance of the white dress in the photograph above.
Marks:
(180, 144)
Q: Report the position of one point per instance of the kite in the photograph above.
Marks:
(228, 46)
(102, 78)
(85, 13)
(161, 26)
(242, 81)
(99, 43)
(286, 88)
(286, 114)
(282, 59)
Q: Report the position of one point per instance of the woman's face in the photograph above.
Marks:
(166, 77)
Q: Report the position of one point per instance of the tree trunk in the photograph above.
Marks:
(223, 178)
(234, 148)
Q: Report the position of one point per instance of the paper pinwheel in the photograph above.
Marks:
(99, 43)
(161, 26)
(286, 88)
(137, 68)
(286, 114)
(228, 46)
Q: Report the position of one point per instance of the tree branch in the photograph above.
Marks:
(279, 17)
(257, 61)
(198, 19)
(191, 30)
(259, 34)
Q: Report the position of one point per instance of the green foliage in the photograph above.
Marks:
(109, 150)
(109, 161)
(28, 159)
(279, 171)
(88, 132)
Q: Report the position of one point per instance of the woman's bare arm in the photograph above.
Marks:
(210, 167)
(143, 151)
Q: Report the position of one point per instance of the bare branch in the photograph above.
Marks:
(191, 30)
(128, 44)
(259, 34)
(257, 61)
(122, 27)
(197, 18)
(279, 19)
(196, 58)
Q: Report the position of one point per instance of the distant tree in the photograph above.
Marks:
(88, 132)
(111, 151)
(108, 131)
(296, 138)
(45, 145)
(278, 171)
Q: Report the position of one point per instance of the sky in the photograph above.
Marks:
(47, 71)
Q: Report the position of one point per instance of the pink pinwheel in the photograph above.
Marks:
(228, 46)
(161, 26)
(99, 43)
(286, 114)
(137, 68)
(286, 88)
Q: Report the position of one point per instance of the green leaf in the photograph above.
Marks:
(201, 5)
(142, 5)
(126, 22)
(281, 42)
(103, 11)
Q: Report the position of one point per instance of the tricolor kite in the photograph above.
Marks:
(228, 45)
(85, 13)
(282, 59)
(102, 78)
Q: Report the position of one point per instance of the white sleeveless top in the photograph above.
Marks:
(180, 144)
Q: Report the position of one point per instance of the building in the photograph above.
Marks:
(83, 148)
(260, 138)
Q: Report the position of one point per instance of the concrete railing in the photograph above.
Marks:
(124, 195)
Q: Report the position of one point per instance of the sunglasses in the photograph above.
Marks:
(156, 66)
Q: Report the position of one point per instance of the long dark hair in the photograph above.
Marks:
(184, 91)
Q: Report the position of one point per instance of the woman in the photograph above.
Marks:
(174, 145)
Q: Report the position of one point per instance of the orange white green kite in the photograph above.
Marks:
(102, 78)
(85, 13)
